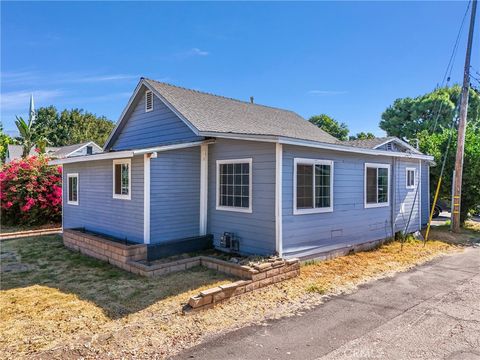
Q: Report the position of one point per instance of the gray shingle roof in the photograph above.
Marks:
(63, 151)
(16, 151)
(368, 143)
(217, 114)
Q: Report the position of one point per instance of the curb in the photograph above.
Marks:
(28, 233)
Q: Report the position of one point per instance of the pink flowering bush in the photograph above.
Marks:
(30, 192)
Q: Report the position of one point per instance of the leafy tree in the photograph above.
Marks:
(362, 136)
(436, 145)
(331, 126)
(407, 117)
(72, 126)
(4, 141)
(29, 137)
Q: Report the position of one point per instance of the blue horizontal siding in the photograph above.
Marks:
(98, 210)
(158, 127)
(256, 230)
(350, 222)
(425, 192)
(175, 195)
(404, 198)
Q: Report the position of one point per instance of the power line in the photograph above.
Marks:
(444, 161)
(449, 69)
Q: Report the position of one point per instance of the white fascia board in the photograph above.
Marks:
(101, 156)
(314, 144)
(84, 145)
(400, 142)
(171, 147)
(122, 115)
(128, 153)
(351, 149)
(171, 107)
(235, 136)
(160, 97)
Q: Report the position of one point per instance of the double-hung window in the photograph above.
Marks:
(313, 186)
(410, 178)
(72, 189)
(122, 184)
(234, 185)
(377, 188)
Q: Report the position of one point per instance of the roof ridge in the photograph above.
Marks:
(220, 96)
(375, 138)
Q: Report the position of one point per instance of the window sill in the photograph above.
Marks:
(234, 209)
(312, 211)
(72, 202)
(367, 206)
(410, 187)
(122, 197)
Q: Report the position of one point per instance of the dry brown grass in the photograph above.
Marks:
(473, 225)
(75, 306)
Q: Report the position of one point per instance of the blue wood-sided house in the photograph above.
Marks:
(181, 163)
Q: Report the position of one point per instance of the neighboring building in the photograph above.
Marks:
(182, 163)
(16, 151)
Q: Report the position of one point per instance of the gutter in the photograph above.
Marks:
(127, 153)
(315, 144)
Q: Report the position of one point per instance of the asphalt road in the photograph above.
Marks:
(431, 312)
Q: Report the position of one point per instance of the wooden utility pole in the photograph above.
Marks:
(462, 125)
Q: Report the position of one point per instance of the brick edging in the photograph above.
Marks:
(267, 274)
(131, 258)
(100, 248)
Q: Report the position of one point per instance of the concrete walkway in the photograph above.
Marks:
(431, 312)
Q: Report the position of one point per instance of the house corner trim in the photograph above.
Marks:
(278, 198)
(146, 198)
(203, 188)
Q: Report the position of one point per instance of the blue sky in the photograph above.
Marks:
(348, 60)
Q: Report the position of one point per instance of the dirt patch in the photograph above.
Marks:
(74, 306)
(468, 236)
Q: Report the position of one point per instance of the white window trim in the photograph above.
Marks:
(119, 196)
(70, 175)
(378, 166)
(414, 177)
(148, 92)
(250, 200)
(303, 161)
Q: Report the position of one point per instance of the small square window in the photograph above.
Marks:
(122, 184)
(72, 189)
(410, 178)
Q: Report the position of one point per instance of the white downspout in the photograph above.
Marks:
(278, 199)
(394, 195)
(146, 198)
(420, 195)
(203, 188)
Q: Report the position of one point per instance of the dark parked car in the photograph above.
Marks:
(440, 206)
(437, 211)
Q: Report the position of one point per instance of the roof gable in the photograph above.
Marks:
(382, 143)
(75, 150)
(141, 128)
(212, 115)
